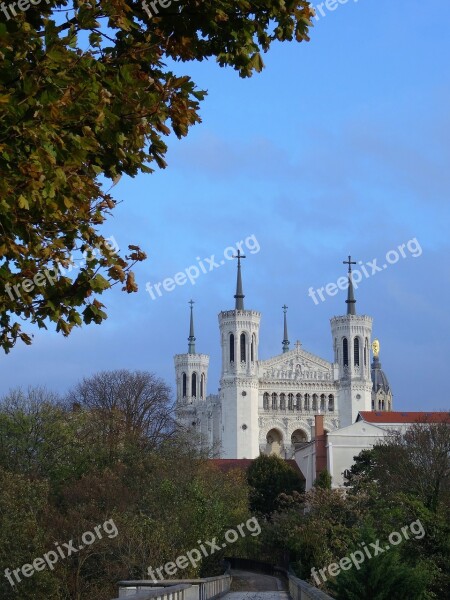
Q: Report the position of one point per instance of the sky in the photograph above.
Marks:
(340, 146)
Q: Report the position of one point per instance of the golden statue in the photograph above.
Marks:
(376, 348)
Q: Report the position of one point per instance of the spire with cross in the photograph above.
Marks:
(239, 296)
(191, 338)
(286, 339)
(351, 310)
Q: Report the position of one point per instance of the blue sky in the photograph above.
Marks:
(340, 146)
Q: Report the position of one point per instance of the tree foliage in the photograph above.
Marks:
(268, 477)
(415, 462)
(87, 94)
(61, 476)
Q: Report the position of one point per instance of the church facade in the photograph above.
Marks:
(269, 406)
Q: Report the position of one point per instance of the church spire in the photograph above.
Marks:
(285, 340)
(239, 296)
(191, 338)
(351, 310)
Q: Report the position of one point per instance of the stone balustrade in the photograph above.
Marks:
(208, 588)
(300, 590)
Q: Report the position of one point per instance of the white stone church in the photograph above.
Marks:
(268, 406)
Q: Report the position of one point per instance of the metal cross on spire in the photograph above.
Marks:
(239, 296)
(349, 262)
(286, 339)
(191, 338)
(351, 294)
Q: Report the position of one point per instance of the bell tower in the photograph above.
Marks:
(239, 334)
(191, 371)
(351, 342)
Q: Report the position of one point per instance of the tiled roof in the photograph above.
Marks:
(387, 417)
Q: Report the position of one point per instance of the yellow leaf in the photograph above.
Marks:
(23, 203)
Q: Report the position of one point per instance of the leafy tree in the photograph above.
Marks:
(416, 462)
(126, 405)
(323, 480)
(85, 99)
(381, 577)
(316, 528)
(268, 477)
(23, 537)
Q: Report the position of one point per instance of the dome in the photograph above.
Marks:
(379, 379)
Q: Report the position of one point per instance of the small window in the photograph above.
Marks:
(345, 351)
(184, 385)
(291, 402)
(194, 385)
(356, 351)
(274, 402)
(231, 347)
(243, 348)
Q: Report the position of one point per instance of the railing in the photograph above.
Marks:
(208, 588)
(300, 590)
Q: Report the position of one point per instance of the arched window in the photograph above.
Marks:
(298, 438)
(356, 351)
(243, 349)
(274, 441)
(345, 351)
(307, 405)
(231, 347)
(290, 401)
(202, 385)
(252, 348)
(184, 385)
(331, 403)
(266, 401)
(315, 402)
(298, 404)
(282, 401)
(194, 385)
(322, 403)
(274, 402)
(366, 350)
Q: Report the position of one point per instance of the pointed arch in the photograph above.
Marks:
(184, 391)
(266, 401)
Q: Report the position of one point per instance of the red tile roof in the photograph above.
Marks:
(227, 464)
(388, 417)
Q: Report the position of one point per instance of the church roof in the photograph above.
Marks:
(403, 417)
(379, 379)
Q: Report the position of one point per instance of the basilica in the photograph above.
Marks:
(269, 406)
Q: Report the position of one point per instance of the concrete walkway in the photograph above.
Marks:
(255, 586)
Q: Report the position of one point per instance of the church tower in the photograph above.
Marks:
(351, 341)
(381, 390)
(191, 372)
(239, 334)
